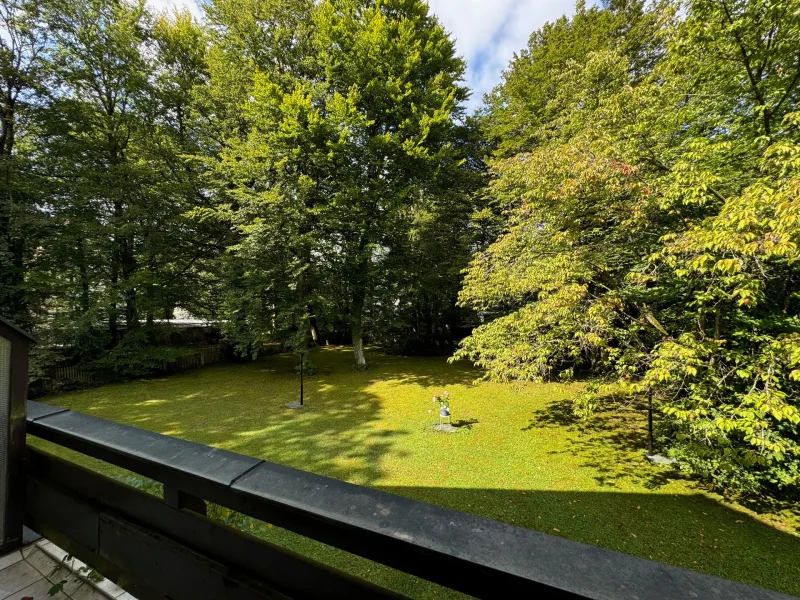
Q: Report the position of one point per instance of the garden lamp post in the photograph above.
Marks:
(651, 455)
(298, 404)
(14, 347)
(650, 424)
(301, 378)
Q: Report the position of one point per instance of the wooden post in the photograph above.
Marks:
(179, 500)
(14, 348)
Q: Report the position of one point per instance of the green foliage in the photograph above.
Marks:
(25, 51)
(105, 131)
(340, 161)
(144, 484)
(517, 112)
(134, 356)
(303, 170)
(309, 366)
(231, 518)
(285, 167)
(442, 401)
(650, 230)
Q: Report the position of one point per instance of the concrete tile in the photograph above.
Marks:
(109, 588)
(42, 562)
(37, 591)
(26, 550)
(71, 581)
(88, 592)
(50, 548)
(10, 558)
(44, 566)
(60, 556)
(78, 566)
(16, 577)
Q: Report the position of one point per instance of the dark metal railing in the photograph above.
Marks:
(155, 550)
(122, 531)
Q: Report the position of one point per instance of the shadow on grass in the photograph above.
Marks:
(689, 531)
(342, 433)
(332, 434)
(426, 371)
(607, 441)
(335, 360)
(337, 432)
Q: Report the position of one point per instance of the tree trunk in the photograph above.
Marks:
(358, 348)
(312, 324)
(112, 324)
(128, 270)
(359, 287)
(357, 327)
(12, 245)
(83, 275)
(116, 253)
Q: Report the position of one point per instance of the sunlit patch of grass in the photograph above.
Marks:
(524, 459)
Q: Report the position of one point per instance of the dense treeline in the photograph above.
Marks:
(624, 205)
(288, 168)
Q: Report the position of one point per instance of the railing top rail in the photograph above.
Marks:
(474, 555)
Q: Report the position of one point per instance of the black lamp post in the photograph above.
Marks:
(298, 404)
(14, 347)
(651, 455)
(301, 378)
(650, 424)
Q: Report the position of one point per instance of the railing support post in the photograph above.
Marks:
(14, 348)
(175, 498)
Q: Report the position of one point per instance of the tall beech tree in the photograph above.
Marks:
(337, 150)
(393, 92)
(110, 141)
(24, 57)
(102, 121)
(288, 166)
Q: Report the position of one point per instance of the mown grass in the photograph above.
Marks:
(518, 458)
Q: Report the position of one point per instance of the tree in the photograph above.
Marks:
(259, 160)
(394, 91)
(650, 238)
(727, 377)
(99, 120)
(175, 248)
(575, 222)
(336, 151)
(517, 113)
(23, 61)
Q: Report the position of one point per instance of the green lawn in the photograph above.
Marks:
(517, 459)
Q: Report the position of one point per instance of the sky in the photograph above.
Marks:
(487, 32)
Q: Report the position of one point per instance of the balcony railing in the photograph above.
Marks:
(159, 549)
(167, 548)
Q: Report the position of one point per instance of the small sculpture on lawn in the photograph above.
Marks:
(443, 401)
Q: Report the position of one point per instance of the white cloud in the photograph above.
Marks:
(169, 5)
(487, 32)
